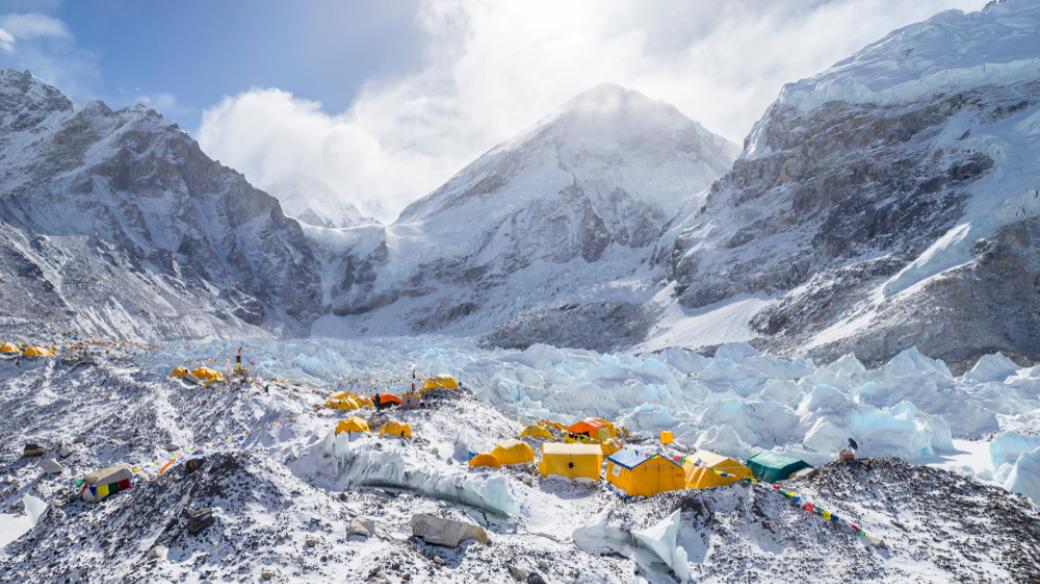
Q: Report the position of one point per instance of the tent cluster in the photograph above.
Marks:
(200, 375)
(357, 425)
(578, 452)
(432, 387)
(30, 351)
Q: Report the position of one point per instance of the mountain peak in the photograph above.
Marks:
(25, 100)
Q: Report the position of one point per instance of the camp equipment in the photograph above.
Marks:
(641, 472)
(385, 400)
(513, 452)
(573, 461)
(666, 437)
(352, 424)
(485, 459)
(395, 428)
(36, 351)
(771, 467)
(440, 382)
(700, 466)
(536, 431)
(611, 446)
(411, 401)
(104, 482)
(207, 375)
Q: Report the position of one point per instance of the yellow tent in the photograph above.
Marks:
(536, 431)
(643, 473)
(179, 371)
(35, 351)
(667, 437)
(364, 402)
(440, 382)
(699, 477)
(610, 446)
(9, 348)
(485, 459)
(571, 460)
(513, 452)
(343, 400)
(352, 424)
(207, 375)
(395, 428)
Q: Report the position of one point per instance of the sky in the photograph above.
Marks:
(384, 101)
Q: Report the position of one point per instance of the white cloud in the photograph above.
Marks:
(15, 27)
(493, 68)
(44, 45)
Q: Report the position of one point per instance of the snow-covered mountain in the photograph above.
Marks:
(550, 217)
(889, 201)
(115, 223)
(311, 201)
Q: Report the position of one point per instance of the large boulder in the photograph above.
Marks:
(446, 532)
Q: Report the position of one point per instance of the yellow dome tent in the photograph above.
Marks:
(536, 431)
(395, 428)
(9, 348)
(179, 371)
(485, 459)
(207, 375)
(440, 382)
(571, 460)
(343, 400)
(611, 446)
(513, 452)
(699, 477)
(352, 424)
(35, 351)
(364, 401)
(643, 473)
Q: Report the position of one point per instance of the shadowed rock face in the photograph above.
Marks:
(113, 214)
(833, 202)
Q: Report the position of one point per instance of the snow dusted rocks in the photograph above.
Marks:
(446, 532)
(108, 216)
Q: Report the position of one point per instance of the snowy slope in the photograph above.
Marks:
(545, 219)
(887, 202)
(311, 201)
(115, 223)
(283, 491)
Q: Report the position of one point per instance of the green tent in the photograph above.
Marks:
(770, 467)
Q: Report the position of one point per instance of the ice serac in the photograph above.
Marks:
(888, 202)
(115, 223)
(535, 231)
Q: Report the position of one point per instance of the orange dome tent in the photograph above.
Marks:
(485, 459)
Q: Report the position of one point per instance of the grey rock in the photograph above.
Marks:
(199, 519)
(64, 451)
(158, 552)
(31, 450)
(51, 466)
(446, 532)
(517, 573)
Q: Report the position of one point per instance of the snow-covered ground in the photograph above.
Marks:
(284, 491)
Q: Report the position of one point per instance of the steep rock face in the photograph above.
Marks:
(575, 203)
(115, 222)
(863, 184)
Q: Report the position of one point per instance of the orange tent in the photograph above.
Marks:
(385, 400)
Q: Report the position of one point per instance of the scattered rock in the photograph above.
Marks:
(446, 532)
(439, 560)
(535, 578)
(51, 466)
(65, 451)
(31, 450)
(517, 573)
(80, 439)
(158, 551)
(171, 447)
(310, 542)
(193, 465)
(266, 574)
(199, 519)
(542, 564)
(358, 527)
